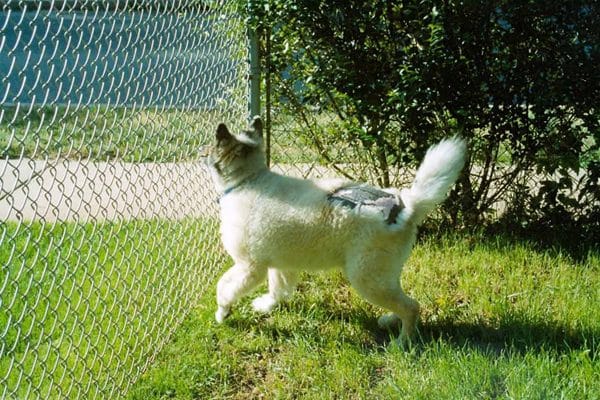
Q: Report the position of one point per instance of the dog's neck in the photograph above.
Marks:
(233, 186)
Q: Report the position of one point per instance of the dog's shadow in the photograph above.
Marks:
(516, 335)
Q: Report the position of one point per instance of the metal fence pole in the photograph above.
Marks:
(267, 57)
(254, 100)
(254, 86)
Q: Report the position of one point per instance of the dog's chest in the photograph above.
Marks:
(235, 212)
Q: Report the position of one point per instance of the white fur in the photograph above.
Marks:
(277, 226)
(436, 174)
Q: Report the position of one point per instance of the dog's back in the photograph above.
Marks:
(291, 223)
(314, 224)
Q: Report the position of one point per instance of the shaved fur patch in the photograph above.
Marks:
(361, 196)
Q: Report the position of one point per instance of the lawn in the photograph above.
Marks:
(500, 319)
(85, 307)
(102, 134)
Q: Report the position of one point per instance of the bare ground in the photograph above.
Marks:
(64, 190)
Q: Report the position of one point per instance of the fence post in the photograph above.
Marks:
(267, 57)
(255, 78)
(254, 100)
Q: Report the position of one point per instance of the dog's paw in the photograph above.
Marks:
(403, 342)
(264, 303)
(221, 314)
(388, 321)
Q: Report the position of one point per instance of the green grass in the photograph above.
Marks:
(499, 320)
(84, 307)
(101, 133)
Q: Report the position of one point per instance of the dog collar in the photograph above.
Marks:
(232, 188)
(237, 185)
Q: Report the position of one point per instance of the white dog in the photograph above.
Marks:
(276, 226)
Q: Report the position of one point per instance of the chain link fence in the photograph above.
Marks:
(108, 224)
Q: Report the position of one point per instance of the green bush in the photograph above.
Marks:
(518, 79)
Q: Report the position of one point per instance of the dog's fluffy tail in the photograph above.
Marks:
(436, 174)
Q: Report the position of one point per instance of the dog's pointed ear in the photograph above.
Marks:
(223, 132)
(257, 127)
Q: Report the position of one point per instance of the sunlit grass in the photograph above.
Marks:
(499, 320)
(101, 133)
(86, 306)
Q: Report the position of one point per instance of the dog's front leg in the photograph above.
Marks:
(235, 283)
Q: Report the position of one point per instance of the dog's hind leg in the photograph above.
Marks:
(235, 283)
(281, 286)
(379, 283)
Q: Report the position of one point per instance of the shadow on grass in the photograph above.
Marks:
(509, 336)
(511, 333)
(514, 336)
(568, 239)
(571, 241)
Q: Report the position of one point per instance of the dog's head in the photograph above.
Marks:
(235, 157)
